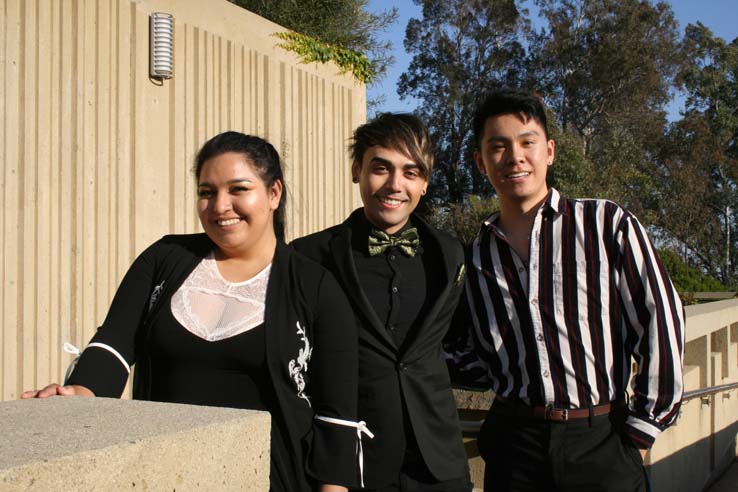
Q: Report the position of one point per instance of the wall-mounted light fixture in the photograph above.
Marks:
(161, 45)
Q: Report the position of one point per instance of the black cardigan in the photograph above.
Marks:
(305, 311)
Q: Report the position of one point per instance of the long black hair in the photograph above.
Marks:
(260, 154)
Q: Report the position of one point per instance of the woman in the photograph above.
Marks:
(235, 318)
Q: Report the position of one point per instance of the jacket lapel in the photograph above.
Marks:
(340, 247)
(449, 275)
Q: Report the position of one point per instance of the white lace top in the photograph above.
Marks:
(213, 308)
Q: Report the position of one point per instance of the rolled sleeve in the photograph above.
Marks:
(655, 323)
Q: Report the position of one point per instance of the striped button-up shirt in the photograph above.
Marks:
(561, 330)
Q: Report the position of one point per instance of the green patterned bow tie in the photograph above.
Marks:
(407, 242)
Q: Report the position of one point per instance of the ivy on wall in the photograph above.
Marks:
(311, 50)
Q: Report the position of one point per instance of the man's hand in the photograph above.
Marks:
(54, 390)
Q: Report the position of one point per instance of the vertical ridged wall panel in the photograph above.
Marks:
(97, 158)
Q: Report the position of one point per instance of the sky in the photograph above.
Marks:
(721, 16)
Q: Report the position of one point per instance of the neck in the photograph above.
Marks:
(521, 208)
(241, 264)
(518, 217)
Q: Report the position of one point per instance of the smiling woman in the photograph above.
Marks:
(235, 318)
(241, 199)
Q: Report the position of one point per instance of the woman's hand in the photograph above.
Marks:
(54, 389)
(332, 488)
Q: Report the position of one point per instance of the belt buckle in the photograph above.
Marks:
(550, 413)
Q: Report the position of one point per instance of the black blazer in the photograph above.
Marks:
(387, 376)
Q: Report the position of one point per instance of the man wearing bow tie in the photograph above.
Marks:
(404, 279)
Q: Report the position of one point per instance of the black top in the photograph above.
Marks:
(189, 369)
(399, 288)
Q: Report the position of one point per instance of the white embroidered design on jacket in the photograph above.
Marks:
(298, 367)
(155, 295)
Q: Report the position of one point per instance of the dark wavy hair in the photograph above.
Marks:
(260, 154)
(403, 132)
(506, 101)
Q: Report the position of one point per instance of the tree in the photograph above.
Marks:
(687, 279)
(461, 48)
(346, 23)
(606, 68)
(700, 158)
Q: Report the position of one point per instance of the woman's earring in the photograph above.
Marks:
(423, 192)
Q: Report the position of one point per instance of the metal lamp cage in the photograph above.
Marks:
(161, 56)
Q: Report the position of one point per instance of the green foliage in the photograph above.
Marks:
(686, 278)
(464, 219)
(572, 173)
(311, 50)
(341, 23)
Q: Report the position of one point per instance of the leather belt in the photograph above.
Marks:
(520, 409)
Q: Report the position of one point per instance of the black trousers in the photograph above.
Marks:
(523, 454)
(415, 477)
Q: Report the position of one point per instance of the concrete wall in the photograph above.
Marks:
(702, 444)
(95, 157)
(86, 444)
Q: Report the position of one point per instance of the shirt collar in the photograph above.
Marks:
(553, 202)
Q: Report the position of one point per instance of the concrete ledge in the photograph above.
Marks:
(85, 444)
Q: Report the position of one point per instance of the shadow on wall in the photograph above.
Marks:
(686, 470)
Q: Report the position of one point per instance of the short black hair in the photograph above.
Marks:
(506, 101)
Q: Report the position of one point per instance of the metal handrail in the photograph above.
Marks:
(689, 395)
(473, 426)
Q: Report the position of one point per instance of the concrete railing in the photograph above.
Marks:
(698, 448)
(75, 443)
(702, 444)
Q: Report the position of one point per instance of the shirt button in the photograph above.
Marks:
(392, 257)
(521, 269)
(392, 327)
(394, 290)
(534, 301)
(546, 374)
(401, 366)
(539, 337)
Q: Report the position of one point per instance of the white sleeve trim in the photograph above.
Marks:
(361, 428)
(71, 349)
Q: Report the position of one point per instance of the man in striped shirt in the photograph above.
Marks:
(563, 294)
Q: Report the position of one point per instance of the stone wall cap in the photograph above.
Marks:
(82, 424)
